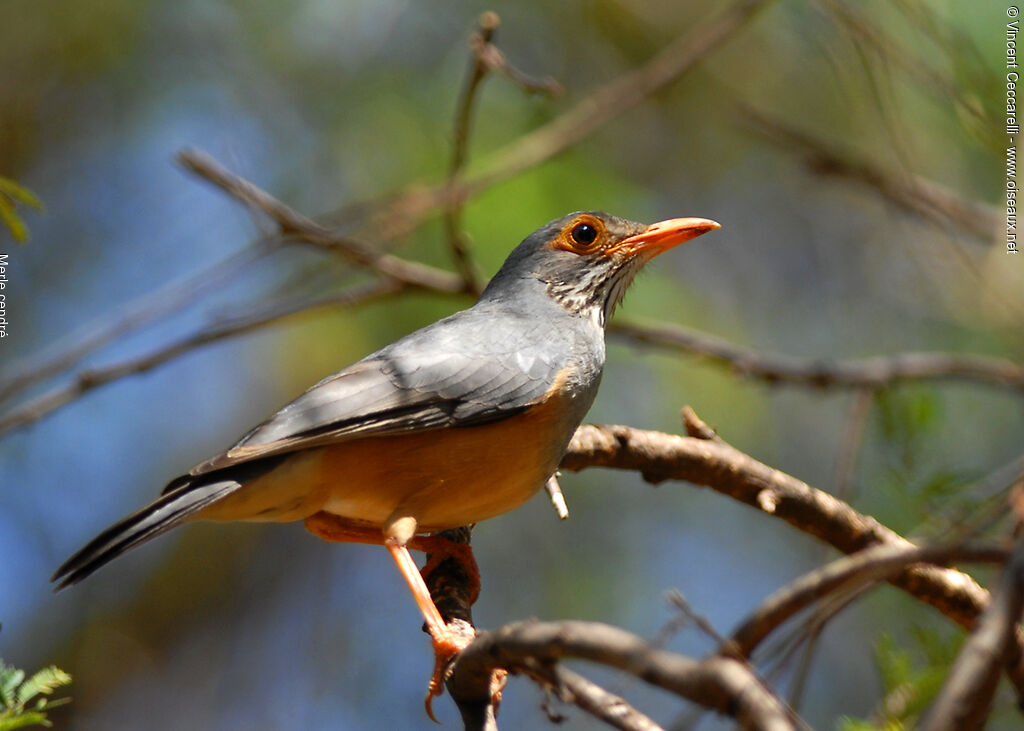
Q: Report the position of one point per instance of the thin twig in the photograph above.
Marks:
(874, 372)
(608, 102)
(592, 698)
(922, 73)
(126, 319)
(853, 436)
(89, 379)
(478, 68)
(485, 58)
(299, 227)
(877, 563)
(619, 96)
(554, 491)
(925, 198)
(688, 615)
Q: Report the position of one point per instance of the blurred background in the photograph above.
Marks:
(329, 103)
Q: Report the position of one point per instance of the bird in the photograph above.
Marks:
(455, 423)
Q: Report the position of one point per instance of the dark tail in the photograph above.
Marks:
(182, 498)
(159, 517)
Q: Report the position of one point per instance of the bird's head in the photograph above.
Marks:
(586, 260)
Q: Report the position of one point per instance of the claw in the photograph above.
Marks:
(443, 656)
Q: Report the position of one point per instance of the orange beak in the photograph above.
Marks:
(662, 236)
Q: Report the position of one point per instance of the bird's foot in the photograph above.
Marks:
(446, 648)
(460, 634)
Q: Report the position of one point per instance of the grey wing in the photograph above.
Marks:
(468, 369)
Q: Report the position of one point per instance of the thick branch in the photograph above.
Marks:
(966, 696)
(717, 683)
(716, 464)
(722, 467)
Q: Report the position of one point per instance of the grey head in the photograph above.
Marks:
(586, 260)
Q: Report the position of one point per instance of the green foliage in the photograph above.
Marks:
(918, 488)
(23, 702)
(10, 195)
(911, 678)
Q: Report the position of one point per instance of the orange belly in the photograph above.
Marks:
(442, 478)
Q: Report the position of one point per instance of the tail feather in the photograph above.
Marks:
(169, 511)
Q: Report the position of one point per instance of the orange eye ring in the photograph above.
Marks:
(585, 235)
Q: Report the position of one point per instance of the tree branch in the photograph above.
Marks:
(295, 225)
(873, 373)
(718, 683)
(716, 464)
(966, 696)
(848, 573)
(478, 68)
(70, 351)
(592, 698)
(88, 379)
(924, 198)
(576, 124)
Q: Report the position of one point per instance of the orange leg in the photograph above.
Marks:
(446, 645)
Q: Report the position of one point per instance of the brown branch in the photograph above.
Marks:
(966, 696)
(486, 57)
(571, 127)
(493, 59)
(592, 698)
(88, 379)
(297, 226)
(718, 465)
(478, 68)
(717, 683)
(406, 210)
(874, 372)
(853, 436)
(127, 319)
(924, 198)
(848, 573)
(618, 96)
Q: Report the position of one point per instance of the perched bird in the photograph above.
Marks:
(450, 425)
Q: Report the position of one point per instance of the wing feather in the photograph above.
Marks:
(466, 369)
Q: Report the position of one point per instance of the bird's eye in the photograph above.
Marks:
(584, 234)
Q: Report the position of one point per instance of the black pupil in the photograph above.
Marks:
(584, 234)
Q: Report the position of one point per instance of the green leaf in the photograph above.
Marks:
(10, 679)
(895, 664)
(11, 194)
(19, 193)
(11, 219)
(21, 721)
(42, 682)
